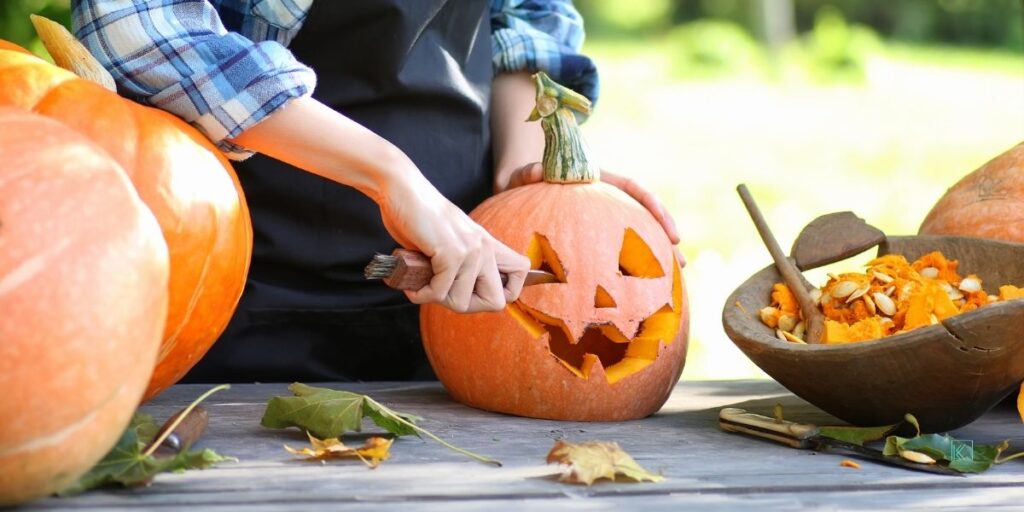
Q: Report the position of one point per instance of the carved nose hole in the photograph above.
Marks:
(603, 299)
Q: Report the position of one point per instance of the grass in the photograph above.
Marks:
(886, 147)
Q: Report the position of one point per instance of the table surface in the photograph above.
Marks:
(705, 468)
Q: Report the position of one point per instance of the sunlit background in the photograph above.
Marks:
(873, 106)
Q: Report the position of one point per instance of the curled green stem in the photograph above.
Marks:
(567, 158)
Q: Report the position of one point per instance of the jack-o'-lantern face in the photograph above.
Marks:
(616, 308)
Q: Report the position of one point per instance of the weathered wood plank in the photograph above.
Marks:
(704, 467)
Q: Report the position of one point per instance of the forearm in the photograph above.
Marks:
(516, 142)
(311, 136)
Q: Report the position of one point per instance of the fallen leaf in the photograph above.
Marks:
(847, 463)
(328, 413)
(595, 460)
(857, 435)
(960, 455)
(374, 451)
(128, 465)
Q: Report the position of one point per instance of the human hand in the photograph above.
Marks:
(533, 173)
(467, 261)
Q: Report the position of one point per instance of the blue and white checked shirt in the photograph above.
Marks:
(223, 66)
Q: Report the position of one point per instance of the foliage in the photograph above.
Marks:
(592, 461)
(127, 465)
(328, 413)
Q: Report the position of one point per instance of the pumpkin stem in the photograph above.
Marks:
(70, 54)
(567, 158)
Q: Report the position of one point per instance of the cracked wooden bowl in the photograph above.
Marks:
(947, 374)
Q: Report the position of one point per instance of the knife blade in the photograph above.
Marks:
(808, 437)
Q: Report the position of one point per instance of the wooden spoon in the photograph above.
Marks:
(814, 318)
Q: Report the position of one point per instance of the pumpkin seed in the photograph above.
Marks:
(993, 298)
(933, 318)
(793, 339)
(857, 294)
(815, 295)
(787, 323)
(800, 330)
(870, 304)
(889, 290)
(769, 315)
(970, 285)
(884, 303)
(825, 298)
(885, 278)
(843, 289)
(929, 272)
(917, 457)
(780, 335)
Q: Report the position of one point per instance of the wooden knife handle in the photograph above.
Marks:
(789, 433)
(185, 434)
(413, 271)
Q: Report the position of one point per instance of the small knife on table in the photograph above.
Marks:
(184, 435)
(806, 436)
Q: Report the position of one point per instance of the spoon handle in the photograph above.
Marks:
(790, 274)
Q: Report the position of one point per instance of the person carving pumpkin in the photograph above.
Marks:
(417, 116)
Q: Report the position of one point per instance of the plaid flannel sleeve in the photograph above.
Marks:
(176, 55)
(542, 35)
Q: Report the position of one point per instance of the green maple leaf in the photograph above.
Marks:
(127, 465)
(328, 413)
(857, 435)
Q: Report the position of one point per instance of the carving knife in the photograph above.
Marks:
(411, 270)
(806, 436)
(184, 435)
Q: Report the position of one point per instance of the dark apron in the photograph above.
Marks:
(417, 73)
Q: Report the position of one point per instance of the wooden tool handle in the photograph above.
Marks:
(787, 269)
(789, 433)
(413, 271)
(185, 434)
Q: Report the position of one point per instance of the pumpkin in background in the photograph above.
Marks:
(83, 301)
(186, 182)
(609, 341)
(987, 203)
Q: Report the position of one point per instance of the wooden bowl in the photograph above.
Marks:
(947, 374)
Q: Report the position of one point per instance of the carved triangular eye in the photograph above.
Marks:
(636, 258)
(603, 299)
(543, 257)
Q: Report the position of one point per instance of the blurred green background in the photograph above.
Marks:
(874, 106)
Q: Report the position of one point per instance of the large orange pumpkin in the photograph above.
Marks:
(83, 301)
(189, 186)
(606, 343)
(987, 203)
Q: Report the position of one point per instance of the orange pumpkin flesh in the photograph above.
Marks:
(608, 342)
(83, 296)
(988, 203)
(185, 181)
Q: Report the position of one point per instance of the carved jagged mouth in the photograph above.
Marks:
(619, 354)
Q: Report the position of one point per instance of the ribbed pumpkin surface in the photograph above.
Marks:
(189, 186)
(83, 300)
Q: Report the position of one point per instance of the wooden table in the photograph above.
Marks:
(705, 469)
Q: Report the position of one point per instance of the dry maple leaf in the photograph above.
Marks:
(374, 451)
(595, 460)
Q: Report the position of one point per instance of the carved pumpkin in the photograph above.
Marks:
(609, 341)
(83, 300)
(987, 203)
(189, 186)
